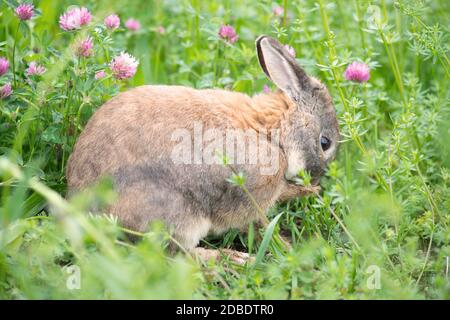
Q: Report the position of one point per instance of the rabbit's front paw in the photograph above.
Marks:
(293, 191)
(234, 256)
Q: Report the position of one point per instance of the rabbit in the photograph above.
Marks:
(131, 139)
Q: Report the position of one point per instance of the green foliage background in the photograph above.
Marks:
(386, 198)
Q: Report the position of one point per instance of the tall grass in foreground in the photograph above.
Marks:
(385, 204)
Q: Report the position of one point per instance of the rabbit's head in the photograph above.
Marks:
(310, 132)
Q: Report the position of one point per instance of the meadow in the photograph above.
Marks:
(379, 228)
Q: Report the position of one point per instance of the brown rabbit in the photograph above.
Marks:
(135, 139)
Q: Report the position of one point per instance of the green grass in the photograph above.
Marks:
(385, 203)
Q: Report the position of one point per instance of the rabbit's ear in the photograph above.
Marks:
(280, 67)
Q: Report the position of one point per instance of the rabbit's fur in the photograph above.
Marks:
(130, 139)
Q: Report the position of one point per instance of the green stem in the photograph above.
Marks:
(393, 63)
(285, 5)
(14, 55)
(278, 240)
(361, 32)
(341, 223)
(434, 211)
(385, 14)
(326, 27)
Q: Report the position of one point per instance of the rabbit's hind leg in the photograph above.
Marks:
(142, 203)
(188, 232)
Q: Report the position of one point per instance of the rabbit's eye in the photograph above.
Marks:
(325, 143)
